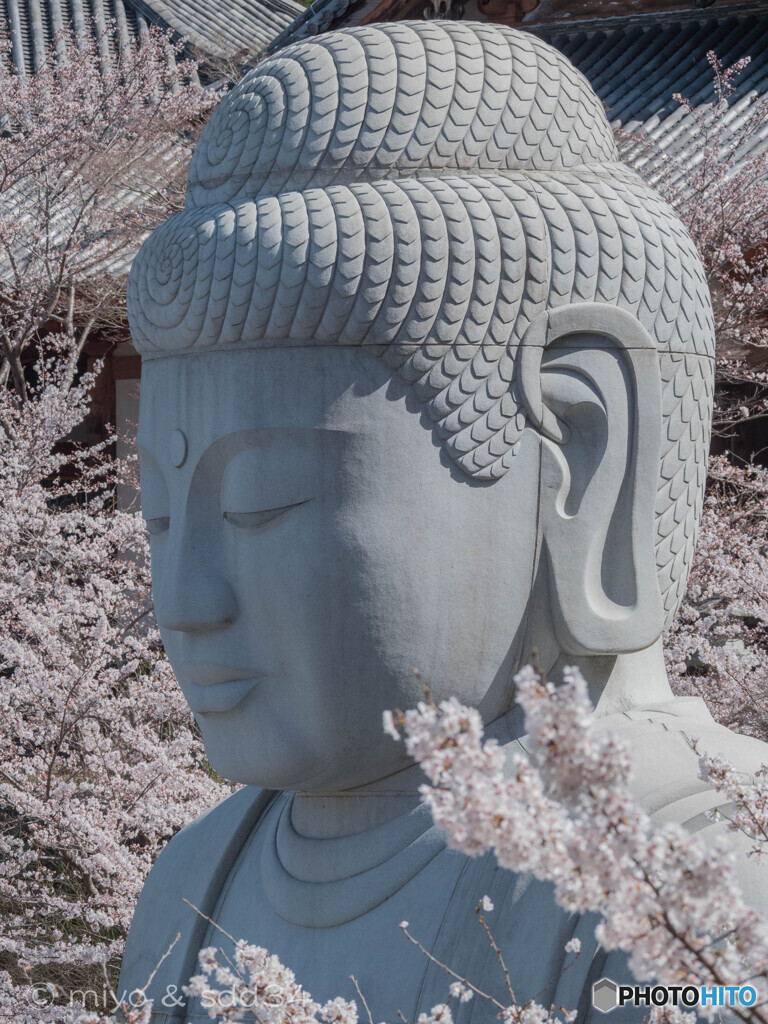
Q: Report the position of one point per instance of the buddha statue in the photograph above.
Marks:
(427, 382)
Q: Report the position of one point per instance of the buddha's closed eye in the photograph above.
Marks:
(253, 521)
(259, 520)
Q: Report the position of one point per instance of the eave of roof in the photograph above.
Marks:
(224, 29)
(320, 16)
(212, 28)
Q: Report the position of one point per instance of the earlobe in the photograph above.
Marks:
(589, 378)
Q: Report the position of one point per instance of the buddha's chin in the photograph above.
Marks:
(274, 756)
(254, 757)
(271, 772)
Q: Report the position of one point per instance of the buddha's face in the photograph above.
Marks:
(311, 546)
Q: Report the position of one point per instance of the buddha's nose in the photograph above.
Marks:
(189, 595)
(207, 603)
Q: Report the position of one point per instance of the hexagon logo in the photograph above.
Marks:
(605, 995)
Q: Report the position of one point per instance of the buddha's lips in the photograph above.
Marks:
(213, 688)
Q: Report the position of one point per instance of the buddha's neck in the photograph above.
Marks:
(616, 684)
(332, 815)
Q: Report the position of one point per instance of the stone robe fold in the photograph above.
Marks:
(211, 863)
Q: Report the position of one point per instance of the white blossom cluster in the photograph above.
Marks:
(718, 646)
(255, 985)
(566, 815)
(748, 798)
(101, 760)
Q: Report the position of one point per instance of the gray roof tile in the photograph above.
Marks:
(636, 68)
(227, 28)
(213, 27)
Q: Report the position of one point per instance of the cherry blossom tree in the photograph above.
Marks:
(718, 646)
(712, 167)
(102, 760)
(92, 154)
(566, 815)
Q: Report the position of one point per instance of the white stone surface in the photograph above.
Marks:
(126, 419)
(427, 382)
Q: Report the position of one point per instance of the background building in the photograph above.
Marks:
(636, 53)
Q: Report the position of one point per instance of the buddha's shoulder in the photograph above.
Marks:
(216, 835)
(192, 867)
(665, 744)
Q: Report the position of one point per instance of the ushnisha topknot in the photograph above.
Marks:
(391, 100)
(427, 190)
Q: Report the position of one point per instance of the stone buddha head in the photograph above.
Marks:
(427, 380)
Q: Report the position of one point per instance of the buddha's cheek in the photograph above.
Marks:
(435, 573)
(442, 590)
(308, 619)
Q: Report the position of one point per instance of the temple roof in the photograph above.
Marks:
(636, 65)
(214, 27)
(224, 27)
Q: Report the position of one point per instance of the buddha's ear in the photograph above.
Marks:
(589, 378)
